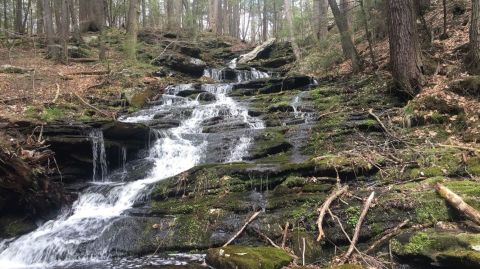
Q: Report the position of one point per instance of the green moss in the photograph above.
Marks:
(52, 114)
(473, 166)
(280, 107)
(353, 213)
(242, 257)
(15, 226)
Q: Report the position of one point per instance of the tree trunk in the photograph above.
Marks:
(65, 31)
(131, 40)
(345, 8)
(214, 16)
(289, 16)
(320, 9)
(39, 17)
(405, 54)
(473, 59)
(19, 17)
(92, 15)
(48, 23)
(349, 49)
(73, 15)
(265, 21)
(170, 15)
(367, 33)
(144, 13)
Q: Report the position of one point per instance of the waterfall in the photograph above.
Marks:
(75, 237)
(99, 156)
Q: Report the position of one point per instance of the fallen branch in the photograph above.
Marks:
(92, 107)
(356, 233)
(460, 147)
(83, 60)
(253, 217)
(56, 94)
(387, 235)
(285, 235)
(323, 209)
(90, 73)
(458, 203)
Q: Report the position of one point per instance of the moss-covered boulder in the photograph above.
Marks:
(138, 97)
(241, 257)
(444, 249)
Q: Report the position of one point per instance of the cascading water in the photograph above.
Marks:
(75, 236)
(99, 156)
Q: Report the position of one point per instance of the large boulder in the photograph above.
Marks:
(272, 85)
(181, 63)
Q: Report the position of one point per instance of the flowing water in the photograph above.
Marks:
(74, 239)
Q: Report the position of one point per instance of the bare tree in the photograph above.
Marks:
(320, 11)
(92, 15)
(19, 17)
(48, 23)
(349, 49)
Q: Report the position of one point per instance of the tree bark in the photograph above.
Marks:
(349, 49)
(48, 23)
(19, 17)
(144, 13)
(473, 59)
(39, 17)
(367, 33)
(170, 9)
(289, 16)
(74, 18)
(320, 9)
(131, 40)
(405, 54)
(92, 15)
(65, 31)
(265, 21)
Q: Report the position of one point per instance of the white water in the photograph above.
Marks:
(69, 238)
(99, 156)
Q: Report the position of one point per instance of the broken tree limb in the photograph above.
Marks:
(90, 73)
(323, 209)
(245, 58)
(356, 233)
(266, 238)
(387, 235)
(83, 60)
(91, 106)
(252, 218)
(370, 112)
(457, 202)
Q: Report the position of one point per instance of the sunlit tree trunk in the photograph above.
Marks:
(473, 59)
(405, 54)
(131, 39)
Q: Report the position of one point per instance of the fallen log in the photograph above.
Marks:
(323, 209)
(90, 73)
(83, 60)
(245, 58)
(457, 202)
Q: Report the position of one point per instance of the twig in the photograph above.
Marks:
(152, 61)
(303, 251)
(356, 233)
(458, 203)
(387, 235)
(370, 111)
(323, 209)
(253, 217)
(91, 106)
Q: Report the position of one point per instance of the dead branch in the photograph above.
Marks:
(477, 150)
(89, 73)
(285, 235)
(92, 107)
(83, 60)
(458, 203)
(356, 233)
(56, 94)
(387, 235)
(387, 131)
(253, 217)
(323, 209)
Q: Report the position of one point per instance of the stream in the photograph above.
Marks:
(77, 237)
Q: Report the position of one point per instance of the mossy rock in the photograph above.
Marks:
(138, 97)
(269, 142)
(11, 226)
(280, 107)
(444, 249)
(242, 257)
